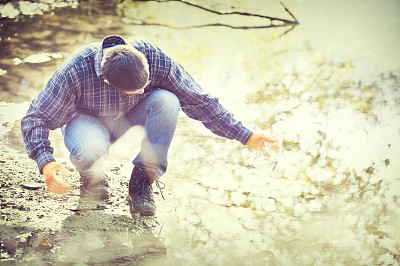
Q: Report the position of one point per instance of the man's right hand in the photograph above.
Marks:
(55, 185)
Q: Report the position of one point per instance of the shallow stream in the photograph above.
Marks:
(329, 87)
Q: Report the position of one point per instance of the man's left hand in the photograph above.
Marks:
(258, 140)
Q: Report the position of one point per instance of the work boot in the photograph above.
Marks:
(140, 197)
(94, 187)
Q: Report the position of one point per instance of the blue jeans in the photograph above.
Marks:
(88, 138)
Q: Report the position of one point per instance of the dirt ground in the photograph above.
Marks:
(38, 226)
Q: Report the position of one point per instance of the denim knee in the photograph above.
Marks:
(87, 140)
(166, 101)
(87, 155)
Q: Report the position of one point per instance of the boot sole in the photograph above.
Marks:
(133, 211)
(104, 195)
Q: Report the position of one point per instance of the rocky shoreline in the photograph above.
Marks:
(38, 226)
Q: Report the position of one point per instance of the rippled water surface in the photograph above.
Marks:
(329, 87)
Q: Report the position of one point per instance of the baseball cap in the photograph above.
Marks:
(112, 40)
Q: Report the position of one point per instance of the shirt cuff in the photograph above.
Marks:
(44, 158)
(244, 135)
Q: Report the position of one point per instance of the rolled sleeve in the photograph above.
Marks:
(243, 135)
(43, 159)
(51, 109)
(202, 106)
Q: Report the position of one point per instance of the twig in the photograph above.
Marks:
(236, 27)
(226, 13)
(290, 13)
(88, 209)
(285, 21)
(287, 31)
(144, 23)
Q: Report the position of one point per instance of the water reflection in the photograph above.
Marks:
(88, 236)
(92, 236)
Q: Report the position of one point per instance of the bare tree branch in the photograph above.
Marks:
(144, 23)
(229, 13)
(287, 31)
(285, 22)
(290, 13)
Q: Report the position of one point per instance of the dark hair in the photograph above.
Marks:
(125, 68)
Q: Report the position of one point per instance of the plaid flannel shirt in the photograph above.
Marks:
(79, 85)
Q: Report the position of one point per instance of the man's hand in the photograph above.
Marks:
(258, 141)
(55, 185)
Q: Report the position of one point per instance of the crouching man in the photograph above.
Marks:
(101, 91)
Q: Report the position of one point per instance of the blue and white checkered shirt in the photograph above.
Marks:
(79, 84)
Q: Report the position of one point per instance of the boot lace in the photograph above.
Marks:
(142, 185)
(160, 187)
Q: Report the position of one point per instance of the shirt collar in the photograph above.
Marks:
(99, 54)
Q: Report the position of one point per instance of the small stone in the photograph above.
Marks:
(43, 246)
(265, 257)
(37, 58)
(31, 185)
(10, 245)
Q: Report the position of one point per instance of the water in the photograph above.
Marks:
(365, 32)
(266, 157)
(330, 88)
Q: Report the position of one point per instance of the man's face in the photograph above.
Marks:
(139, 91)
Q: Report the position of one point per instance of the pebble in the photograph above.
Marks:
(30, 185)
(265, 257)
